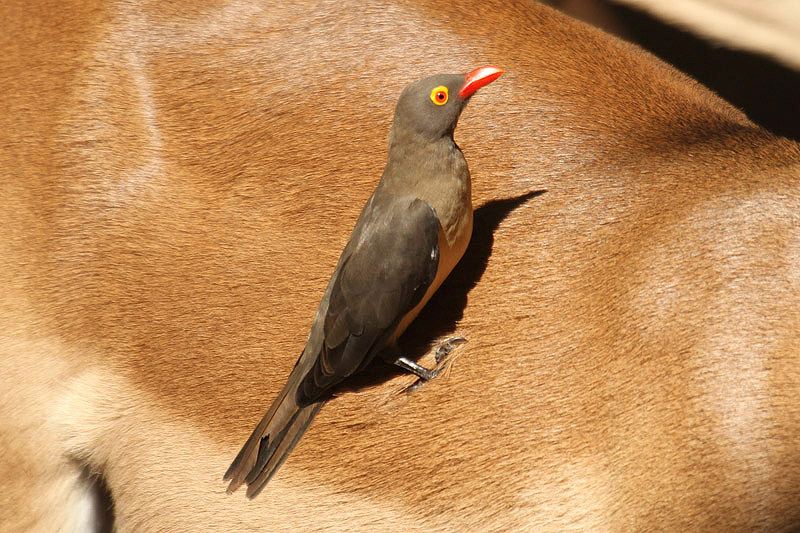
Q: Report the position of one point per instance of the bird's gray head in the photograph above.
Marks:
(431, 106)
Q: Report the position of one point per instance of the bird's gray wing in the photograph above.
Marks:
(385, 275)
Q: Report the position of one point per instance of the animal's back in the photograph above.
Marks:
(178, 181)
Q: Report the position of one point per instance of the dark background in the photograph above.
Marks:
(765, 89)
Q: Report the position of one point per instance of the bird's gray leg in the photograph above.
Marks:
(442, 351)
(420, 371)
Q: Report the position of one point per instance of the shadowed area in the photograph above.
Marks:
(101, 505)
(762, 87)
(446, 307)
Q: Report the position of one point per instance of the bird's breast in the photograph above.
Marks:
(452, 245)
(453, 242)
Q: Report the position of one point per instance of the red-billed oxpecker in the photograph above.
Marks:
(409, 236)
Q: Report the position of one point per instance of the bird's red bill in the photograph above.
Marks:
(478, 78)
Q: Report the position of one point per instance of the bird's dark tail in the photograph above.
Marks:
(272, 455)
(273, 439)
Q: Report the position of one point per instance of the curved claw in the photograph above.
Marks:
(444, 349)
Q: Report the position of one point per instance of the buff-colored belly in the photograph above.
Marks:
(449, 255)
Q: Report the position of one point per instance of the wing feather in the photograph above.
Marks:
(386, 274)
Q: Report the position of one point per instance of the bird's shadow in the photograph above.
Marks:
(441, 314)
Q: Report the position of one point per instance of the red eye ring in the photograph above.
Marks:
(440, 95)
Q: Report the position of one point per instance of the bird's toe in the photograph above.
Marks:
(444, 349)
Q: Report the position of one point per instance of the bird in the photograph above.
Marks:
(410, 234)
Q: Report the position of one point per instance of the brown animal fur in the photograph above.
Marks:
(177, 183)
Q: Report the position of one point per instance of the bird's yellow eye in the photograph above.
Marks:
(439, 95)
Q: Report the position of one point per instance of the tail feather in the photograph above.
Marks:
(278, 424)
(267, 449)
(277, 452)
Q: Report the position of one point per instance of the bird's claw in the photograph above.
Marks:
(441, 355)
(444, 349)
